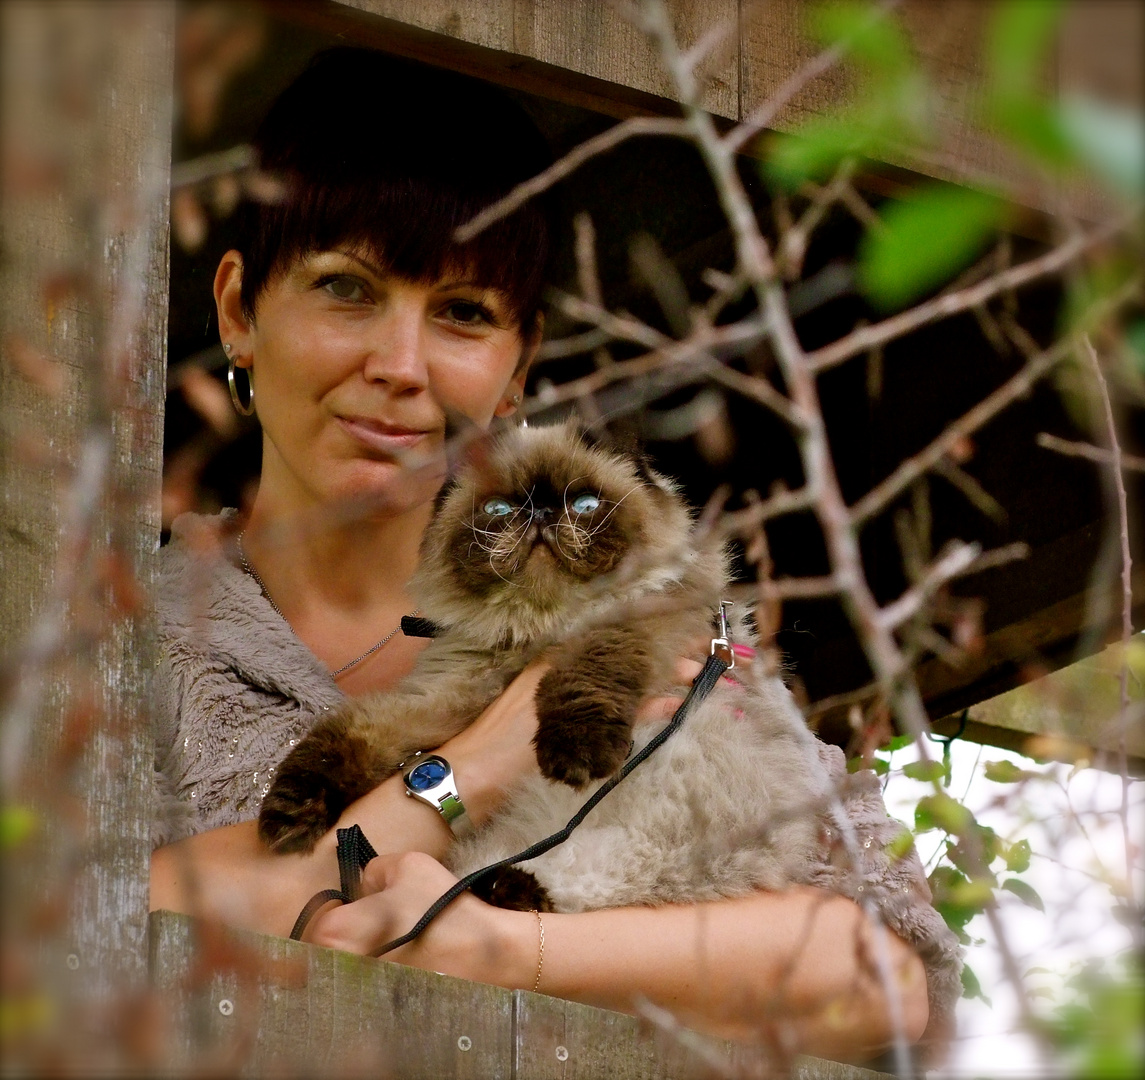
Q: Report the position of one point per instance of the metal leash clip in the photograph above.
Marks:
(722, 646)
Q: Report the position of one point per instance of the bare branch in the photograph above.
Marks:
(1126, 616)
(573, 160)
(209, 166)
(879, 497)
(759, 390)
(1089, 452)
(792, 588)
(779, 504)
(952, 565)
(697, 348)
(942, 307)
(588, 280)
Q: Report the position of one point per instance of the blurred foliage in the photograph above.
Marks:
(935, 231)
(1095, 1024)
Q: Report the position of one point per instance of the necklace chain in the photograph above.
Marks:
(248, 569)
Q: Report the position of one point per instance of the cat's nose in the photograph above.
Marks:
(542, 513)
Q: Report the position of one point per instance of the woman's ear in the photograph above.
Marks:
(530, 344)
(234, 330)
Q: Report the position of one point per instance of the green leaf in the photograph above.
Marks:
(1135, 340)
(977, 893)
(924, 240)
(924, 770)
(899, 742)
(900, 846)
(971, 987)
(1109, 139)
(1018, 857)
(941, 811)
(815, 152)
(1006, 772)
(1019, 42)
(17, 823)
(1024, 892)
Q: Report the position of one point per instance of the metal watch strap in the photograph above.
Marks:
(448, 803)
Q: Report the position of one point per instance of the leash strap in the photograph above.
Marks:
(354, 851)
(715, 666)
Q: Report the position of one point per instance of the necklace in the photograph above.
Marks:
(248, 569)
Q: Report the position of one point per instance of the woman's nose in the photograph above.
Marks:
(397, 350)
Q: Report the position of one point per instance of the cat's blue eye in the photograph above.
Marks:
(584, 504)
(497, 507)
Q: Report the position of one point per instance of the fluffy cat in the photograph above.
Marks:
(545, 542)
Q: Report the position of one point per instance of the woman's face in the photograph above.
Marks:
(356, 371)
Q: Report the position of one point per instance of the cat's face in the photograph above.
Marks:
(542, 516)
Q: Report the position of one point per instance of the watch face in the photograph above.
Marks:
(427, 775)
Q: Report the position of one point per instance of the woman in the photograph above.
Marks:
(367, 335)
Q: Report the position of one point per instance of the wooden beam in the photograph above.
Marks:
(267, 1004)
(1073, 714)
(86, 98)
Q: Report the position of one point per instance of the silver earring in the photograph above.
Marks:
(516, 399)
(228, 348)
(240, 408)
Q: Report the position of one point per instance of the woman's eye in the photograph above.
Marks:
(584, 504)
(468, 313)
(345, 287)
(497, 507)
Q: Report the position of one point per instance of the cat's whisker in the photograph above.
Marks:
(597, 526)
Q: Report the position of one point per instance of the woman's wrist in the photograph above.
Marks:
(518, 954)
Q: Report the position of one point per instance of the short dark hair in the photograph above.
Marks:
(390, 157)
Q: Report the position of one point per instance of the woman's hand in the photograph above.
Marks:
(469, 938)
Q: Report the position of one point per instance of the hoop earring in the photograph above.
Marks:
(240, 408)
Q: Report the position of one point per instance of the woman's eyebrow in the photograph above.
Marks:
(374, 269)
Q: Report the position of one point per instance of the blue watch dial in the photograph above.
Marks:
(426, 775)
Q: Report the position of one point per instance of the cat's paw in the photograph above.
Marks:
(514, 889)
(575, 752)
(316, 781)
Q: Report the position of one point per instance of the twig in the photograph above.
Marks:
(955, 563)
(208, 166)
(779, 504)
(942, 307)
(880, 496)
(698, 347)
(1090, 452)
(573, 160)
(1126, 617)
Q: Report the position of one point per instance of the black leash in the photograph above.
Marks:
(354, 850)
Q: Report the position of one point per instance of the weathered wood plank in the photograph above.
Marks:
(255, 1004)
(544, 45)
(86, 114)
(488, 23)
(593, 37)
(590, 38)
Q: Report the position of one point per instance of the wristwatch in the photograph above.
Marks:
(430, 779)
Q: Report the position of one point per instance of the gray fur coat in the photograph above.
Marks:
(237, 690)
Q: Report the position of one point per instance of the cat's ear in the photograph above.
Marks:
(624, 443)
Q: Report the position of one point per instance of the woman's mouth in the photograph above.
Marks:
(380, 435)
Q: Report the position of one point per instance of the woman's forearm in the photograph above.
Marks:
(228, 874)
(800, 961)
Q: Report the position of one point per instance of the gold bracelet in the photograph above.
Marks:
(540, 951)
